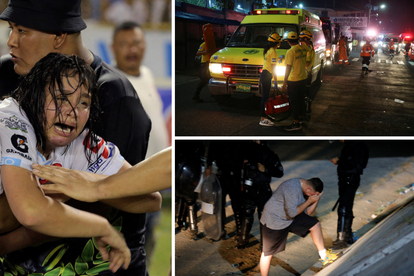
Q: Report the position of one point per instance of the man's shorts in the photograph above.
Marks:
(274, 241)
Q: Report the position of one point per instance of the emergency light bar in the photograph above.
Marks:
(259, 12)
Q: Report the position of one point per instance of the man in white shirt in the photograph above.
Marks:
(129, 47)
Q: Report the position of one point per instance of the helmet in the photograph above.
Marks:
(305, 34)
(188, 174)
(292, 35)
(392, 39)
(275, 37)
(368, 40)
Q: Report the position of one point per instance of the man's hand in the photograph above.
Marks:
(75, 184)
(261, 167)
(334, 160)
(315, 198)
(119, 254)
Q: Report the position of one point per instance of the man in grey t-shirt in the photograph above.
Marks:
(287, 211)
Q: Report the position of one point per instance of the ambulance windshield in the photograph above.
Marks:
(256, 35)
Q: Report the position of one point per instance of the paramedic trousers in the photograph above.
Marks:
(296, 92)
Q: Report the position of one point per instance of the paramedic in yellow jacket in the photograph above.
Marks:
(204, 73)
(366, 52)
(342, 52)
(295, 79)
(305, 39)
(269, 71)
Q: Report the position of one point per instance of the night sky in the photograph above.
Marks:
(397, 17)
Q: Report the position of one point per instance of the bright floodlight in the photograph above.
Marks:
(371, 33)
(300, 6)
(382, 6)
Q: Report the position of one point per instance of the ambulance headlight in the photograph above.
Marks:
(376, 44)
(216, 68)
(280, 71)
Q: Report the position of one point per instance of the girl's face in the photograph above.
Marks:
(63, 127)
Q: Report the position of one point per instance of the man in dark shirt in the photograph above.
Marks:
(36, 29)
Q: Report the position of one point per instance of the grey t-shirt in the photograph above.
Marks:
(281, 208)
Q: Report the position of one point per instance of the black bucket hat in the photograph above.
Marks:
(49, 16)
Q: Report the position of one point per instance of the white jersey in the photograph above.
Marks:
(18, 147)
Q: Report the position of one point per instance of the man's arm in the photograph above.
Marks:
(133, 189)
(287, 73)
(135, 204)
(309, 202)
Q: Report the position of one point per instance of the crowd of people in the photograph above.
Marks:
(64, 109)
(245, 169)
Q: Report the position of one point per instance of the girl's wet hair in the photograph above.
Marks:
(45, 76)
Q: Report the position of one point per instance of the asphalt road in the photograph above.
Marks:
(346, 104)
(389, 168)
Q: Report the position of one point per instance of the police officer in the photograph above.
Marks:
(188, 162)
(261, 164)
(366, 52)
(228, 158)
(351, 163)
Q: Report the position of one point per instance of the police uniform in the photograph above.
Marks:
(124, 123)
(229, 160)
(352, 162)
(19, 148)
(256, 186)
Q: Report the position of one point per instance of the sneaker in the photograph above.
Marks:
(293, 126)
(330, 257)
(266, 122)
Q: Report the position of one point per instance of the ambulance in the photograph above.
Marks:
(237, 67)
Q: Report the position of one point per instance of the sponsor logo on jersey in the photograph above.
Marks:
(44, 181)
(104, 159)
(20, 143)
(14, 123)
(26, 156)
(106, 151)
